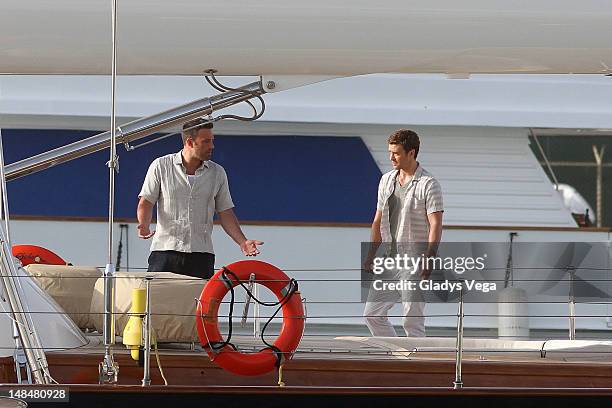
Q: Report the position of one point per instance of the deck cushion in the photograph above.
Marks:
(172, 303)
(70, 286)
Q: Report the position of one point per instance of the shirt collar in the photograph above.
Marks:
(178, 160)
(417, 174)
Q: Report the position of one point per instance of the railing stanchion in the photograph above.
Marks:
(458, 383)
(256, 313)
(147, 327)
(572, 305)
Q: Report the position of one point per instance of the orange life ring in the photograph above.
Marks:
(222, 352)
(33, 254)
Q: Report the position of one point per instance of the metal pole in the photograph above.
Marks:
(21, 362)
(127, 247)
(572, 305)
(458, 383)
(575, 164)
(599, 153)
(19, 356)
(247, 299)
(5, 208)
(256, 313)
(112, 163)
(132, 131)
(32, 347)
(509, 277)
(110, 369)
(146, 379)
(550, 170)
(23, 326)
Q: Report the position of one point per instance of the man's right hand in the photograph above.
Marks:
(144, 232)
(368, 265)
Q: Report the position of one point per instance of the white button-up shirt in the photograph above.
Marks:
(185, 212)
(423, 196)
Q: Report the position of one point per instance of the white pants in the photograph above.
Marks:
(376, 314)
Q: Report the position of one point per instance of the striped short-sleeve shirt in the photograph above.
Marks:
(423, 196)
(185, 209)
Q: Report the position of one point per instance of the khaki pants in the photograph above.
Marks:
(379, 303)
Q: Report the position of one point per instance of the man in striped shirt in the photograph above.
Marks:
(188, 189)
(408, 216)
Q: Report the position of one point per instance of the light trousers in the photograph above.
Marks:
(377, 309)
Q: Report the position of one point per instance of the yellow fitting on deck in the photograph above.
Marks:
(132, 334)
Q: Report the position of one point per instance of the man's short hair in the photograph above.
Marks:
(191, 128)
(407, 138)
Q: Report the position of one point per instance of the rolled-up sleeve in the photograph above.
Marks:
(223, 198)
(151, 186)
(433, 197)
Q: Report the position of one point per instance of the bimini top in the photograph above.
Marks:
(318, 37)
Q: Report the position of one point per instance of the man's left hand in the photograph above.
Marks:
(249, 247)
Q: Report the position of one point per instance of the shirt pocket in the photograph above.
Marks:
(418, 205)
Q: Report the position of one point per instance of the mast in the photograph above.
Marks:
(109, 369)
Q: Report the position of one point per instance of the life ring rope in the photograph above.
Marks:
(215, 346)
(208, 342)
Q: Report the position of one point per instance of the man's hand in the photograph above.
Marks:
(425, 274)
(144, 232)
(368, 265)
(249, 247)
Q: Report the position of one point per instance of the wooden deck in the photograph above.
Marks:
(322, 363)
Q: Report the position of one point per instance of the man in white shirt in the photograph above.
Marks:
(188, 189)
(408, 218)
